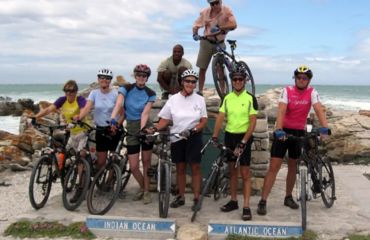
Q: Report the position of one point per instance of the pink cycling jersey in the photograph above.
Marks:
(299, 103)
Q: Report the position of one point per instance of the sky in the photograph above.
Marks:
(51, 41)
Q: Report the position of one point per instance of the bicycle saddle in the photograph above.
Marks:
(231, 41)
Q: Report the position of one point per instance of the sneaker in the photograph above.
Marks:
(230, 206)
(289, 202)
(247, 215)
(76, 196)
(261, 209)
(177, 202)
(195, 203)
(138, 195)
(147, 198)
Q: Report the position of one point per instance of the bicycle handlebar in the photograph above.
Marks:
(221, 147)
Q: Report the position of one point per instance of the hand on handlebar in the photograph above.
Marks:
(196, 37)
(215, 29)
(280, 134)
(324, 132)
(239, 149)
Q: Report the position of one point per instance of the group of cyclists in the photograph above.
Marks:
(186, 110)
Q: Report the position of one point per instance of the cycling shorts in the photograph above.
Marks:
(231, 141)
(279, 148)
(135, 143)
(187, 151)
(105, 141)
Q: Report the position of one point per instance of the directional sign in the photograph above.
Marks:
(110, 226)
(254, 229)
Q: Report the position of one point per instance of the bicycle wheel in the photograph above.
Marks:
(327, 182)
(75, 186)
(219, 77)
(125, 174)
(40, 182)
(204, 192)
(164, 190)
(250, 87)
(303, 199)
(104, 189)
(222, 186)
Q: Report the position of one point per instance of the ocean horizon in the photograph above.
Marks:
(343, 97)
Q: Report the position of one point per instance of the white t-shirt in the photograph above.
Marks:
(185, 112)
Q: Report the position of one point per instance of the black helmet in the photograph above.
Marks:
(238, 71)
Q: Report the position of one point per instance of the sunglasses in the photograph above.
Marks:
(238, 79)
(304, 78)
(69, 90)
(190, 81)
(214, 3)
(141, 75)
(105, 78)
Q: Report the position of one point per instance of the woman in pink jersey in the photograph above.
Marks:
(294, 106)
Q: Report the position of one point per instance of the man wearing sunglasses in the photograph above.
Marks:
(294, 106)
(240, 109)
(217, 20)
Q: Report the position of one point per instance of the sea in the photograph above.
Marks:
(346, 97)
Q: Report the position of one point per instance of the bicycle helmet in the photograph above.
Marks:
(238, 71)
(142, 68)
(105, 72)
(211, 1)
(303, 70)
(189, 72)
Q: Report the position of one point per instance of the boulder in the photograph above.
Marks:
(191, 231)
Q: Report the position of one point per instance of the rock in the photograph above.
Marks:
(261, 126)
(260, 157)
(364, 113)
(191, 231)
(18, 168)
(261, 135)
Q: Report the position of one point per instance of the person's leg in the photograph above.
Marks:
(196, 179)
(146, 158)
(133, 159)
(244, 170)
(233, 181)
(181, 177)
(291, 176)
(202, 79)
(275, 165)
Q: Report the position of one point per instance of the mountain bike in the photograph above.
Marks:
(223, 60)
(48, 169)
(110, 181)
(78, 177)
(315, 176)
(218, 178)
(163, 173)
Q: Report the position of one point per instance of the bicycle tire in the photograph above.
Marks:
(164, 190)
(249, 78)
(72, 182)
(216, 187)
(41, 176)
(104, 190)
(303, 199)
(327, 182)
(218, 61)
(204, 192)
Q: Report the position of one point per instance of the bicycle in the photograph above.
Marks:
(109, 182)
(218, 178)
(315, 174)
(78, 177)
(163, 173)
(222, 59)
(47, 169)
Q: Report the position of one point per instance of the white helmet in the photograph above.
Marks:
(189, 72)
(105, 72)
(211, 1)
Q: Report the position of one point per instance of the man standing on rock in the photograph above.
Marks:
(170, 70)
(294, 106)
(217, 20)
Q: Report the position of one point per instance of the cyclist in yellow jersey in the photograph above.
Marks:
(70, 106)
(239, 108)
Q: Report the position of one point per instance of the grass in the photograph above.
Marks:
(358, 237)
(29, 229)
(307, 235)
(367, 175)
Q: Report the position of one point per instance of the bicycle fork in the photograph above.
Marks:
(303, 170)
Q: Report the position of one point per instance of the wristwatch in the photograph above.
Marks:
(243, 141)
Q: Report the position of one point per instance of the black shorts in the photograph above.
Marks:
(187, 151)
(231, 141)
(279, 148)
(133, 149)
(105, 141)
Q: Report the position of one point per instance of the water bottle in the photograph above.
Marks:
(61, 157)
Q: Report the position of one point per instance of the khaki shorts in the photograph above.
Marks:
(133, 128)
(206, 51)
(77, 141)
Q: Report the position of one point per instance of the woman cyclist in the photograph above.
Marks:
(137, 100)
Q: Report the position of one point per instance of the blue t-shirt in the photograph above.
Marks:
(135, 100)
(103, 105)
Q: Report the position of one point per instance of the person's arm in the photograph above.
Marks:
(280, 115)
(320, 114)
(86, 109)
(229, 25)
(118, 106)
(252, 126)
(46, 111)
(162, 124)
(162, 83)
(145, 114)
(202, 124)
(218, 124)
